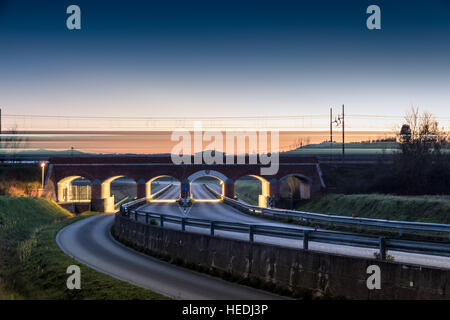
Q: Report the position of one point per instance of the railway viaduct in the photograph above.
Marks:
(101, 171)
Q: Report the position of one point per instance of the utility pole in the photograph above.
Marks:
(42, 170)
(1, 146)
(343, 134)
(331, 125)
(331, 132)
(339, 119)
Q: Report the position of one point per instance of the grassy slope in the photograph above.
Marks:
(32, 265)
(420, 208)
(411, 208)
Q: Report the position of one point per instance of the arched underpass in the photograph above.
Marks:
(253, 189)
(74, 189)
(120, 185)
(293, 189)
(200, 194)
(123, 189)
(193, 186)
(157, 183)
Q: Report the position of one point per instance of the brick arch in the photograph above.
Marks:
(144, 186)
(297, 175)
(64, 187)
(305, 184)
(106, 185)
(265, 188)
(111, 179)
(186, 183)
(207, 173)
(70, 179)
(162, 176)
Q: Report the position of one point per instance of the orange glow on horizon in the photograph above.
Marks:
(160, 142)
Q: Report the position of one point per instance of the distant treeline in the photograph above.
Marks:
(391, 139)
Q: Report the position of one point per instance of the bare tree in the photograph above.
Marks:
(420, 167)
(299, 143)
(420, 135)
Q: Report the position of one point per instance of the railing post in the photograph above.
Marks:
(306, 239)
(212, 228)
(400, 232)
(183, 224)
(382, 246)
(250, 233)
(146, 218)
(161, 218)
(135, 215)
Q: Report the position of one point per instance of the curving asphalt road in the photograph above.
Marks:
(89, 241)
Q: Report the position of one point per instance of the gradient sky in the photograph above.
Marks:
(221, 58)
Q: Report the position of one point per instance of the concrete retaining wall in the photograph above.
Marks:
(295, 269)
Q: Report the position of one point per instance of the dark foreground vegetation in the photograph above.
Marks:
(397, 178)
(19, 179)
(33, 267)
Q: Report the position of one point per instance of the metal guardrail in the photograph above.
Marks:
(305, 235)
(125, 208)
(121, 201)
(331, 219)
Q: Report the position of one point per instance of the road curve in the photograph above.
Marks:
(89, 241)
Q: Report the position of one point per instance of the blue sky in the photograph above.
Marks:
(221, 58)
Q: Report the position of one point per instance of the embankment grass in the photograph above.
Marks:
(379, 206)
(33, 267)
(434, 209)
(410, 208)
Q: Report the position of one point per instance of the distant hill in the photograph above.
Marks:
(352, 145)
